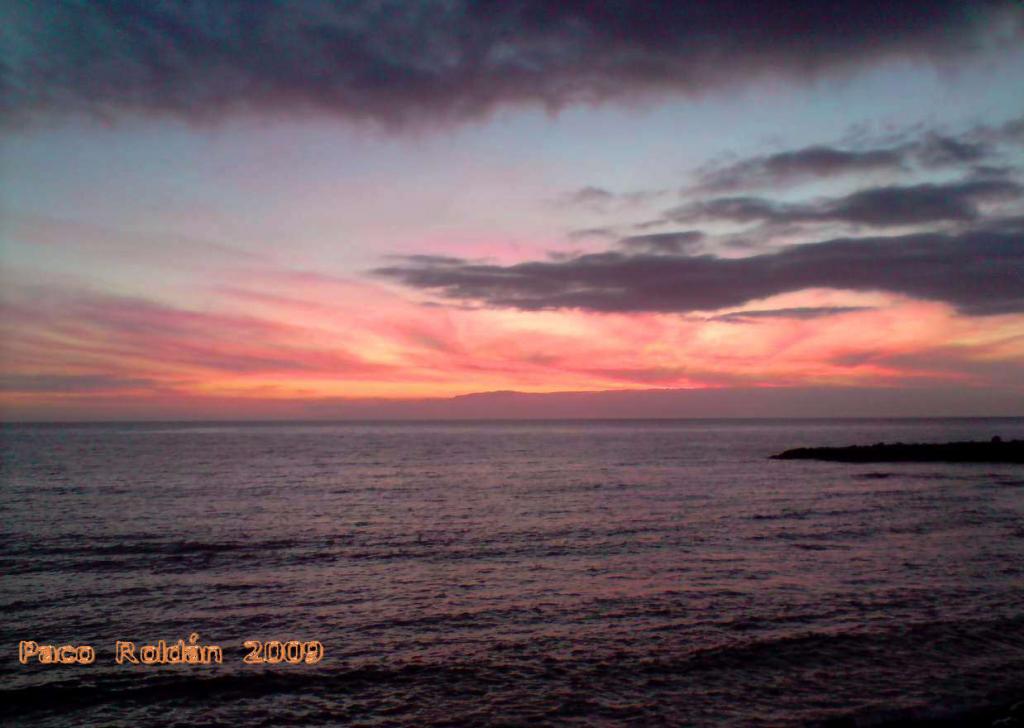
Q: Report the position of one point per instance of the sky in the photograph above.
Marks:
(248, 210)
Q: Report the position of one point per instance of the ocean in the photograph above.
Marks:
(606, 573)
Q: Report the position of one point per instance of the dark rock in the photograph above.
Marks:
(994, 451)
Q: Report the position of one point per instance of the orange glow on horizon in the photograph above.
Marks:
(308, 337)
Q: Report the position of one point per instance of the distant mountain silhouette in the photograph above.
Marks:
(724, 402)
(704, 403)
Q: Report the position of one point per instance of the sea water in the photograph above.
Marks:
(482, 573)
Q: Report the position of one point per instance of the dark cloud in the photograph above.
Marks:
(663, 243)
(599, 199)
(992, 171)
(928, 150)
(596, 232)
(1009, 132)
(876, 207)
(650, 224)
(426, 259)
(978, 272)
(947, 151)
(440, 60)
(919, 203)
(641, 196)
(741, 209)
(802, 312)
(800, 164)
(589, 196)
(71, 383)
(1011, 225)
(1013, 131)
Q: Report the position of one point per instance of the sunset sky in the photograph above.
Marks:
(231, 210)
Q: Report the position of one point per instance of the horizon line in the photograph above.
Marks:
(498, 420)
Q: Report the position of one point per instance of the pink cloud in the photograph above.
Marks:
(277, 335)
